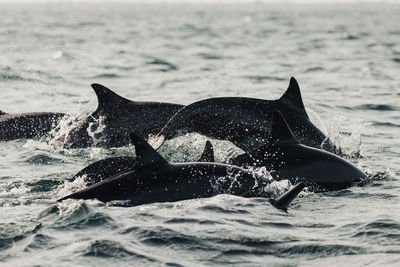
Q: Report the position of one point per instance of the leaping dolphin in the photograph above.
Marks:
(153, 179)
(27, 125)
(286, 158)
(246, 122)
(118, 116)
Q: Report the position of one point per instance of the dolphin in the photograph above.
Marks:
(112, 166)
(246, 122)
(27, 125)
(286, 158)
(118, 116)
(153, 179)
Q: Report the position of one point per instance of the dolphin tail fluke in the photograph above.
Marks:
(283, 201)
(208, 153)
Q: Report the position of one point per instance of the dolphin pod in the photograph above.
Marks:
(275, 134)
(282, 155)
(153, 179)
(246, 122)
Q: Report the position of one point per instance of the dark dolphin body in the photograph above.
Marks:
(153, 179)
(108, 167)
(27, 125)
(105, 168)
(119, 116)
(286, 158)
(246, 122)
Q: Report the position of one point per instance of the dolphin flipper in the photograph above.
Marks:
(208, 153)
(283, 201)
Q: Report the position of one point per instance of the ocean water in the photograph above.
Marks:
(346, 58)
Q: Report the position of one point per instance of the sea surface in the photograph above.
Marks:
(346, 58)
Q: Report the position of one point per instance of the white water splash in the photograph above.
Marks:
(96, 130)
(190, 146)
(68, 188)
(348, 141)
(66, 124)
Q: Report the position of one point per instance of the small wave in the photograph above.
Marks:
(314, 69)
(210, 56)
(350, 37)
(43, 185)
(11, 233)
(379, 107)
(317, 250)
(384, 224)
(111, 249)
(396, 59)
(223, 210)
(161, 236)
(160, 62)
(386, 124)
(191, 221)
(39, 242)
(43, 159)
(16, 77)
(262, 78)
(106, 75)
(74, 215)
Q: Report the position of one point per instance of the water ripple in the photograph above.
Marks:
(112, 249)
(76, 216)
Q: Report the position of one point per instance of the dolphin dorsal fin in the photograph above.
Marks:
(107, 99)
(283, 201)
(280, 131)
(293, 96)
(208, 153)
(1, 112)
(146, 155)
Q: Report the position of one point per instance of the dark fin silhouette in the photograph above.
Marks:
(282, 202)
(108, 100)
(1, 112)
(293, 96)
(146, 155)
(208, 153)
(280, 131)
